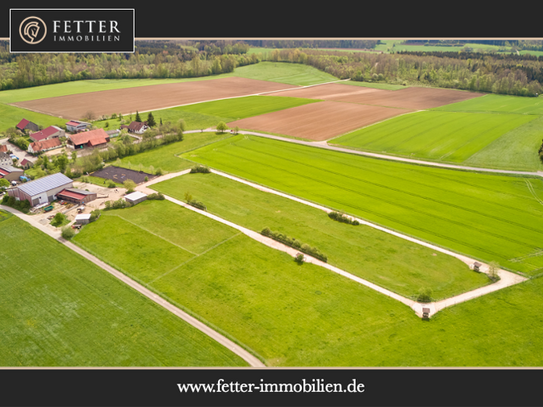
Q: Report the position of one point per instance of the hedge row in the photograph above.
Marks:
(341, 217)
(292, 242)
(197, 204)
(200, 169)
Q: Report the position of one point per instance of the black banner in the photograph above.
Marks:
(72, 30)
(271, 387)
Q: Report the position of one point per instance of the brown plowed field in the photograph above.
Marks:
(409, 98)
(151, 97)
(318, 121)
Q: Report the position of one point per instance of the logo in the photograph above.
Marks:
(32, 30)
(72, 30)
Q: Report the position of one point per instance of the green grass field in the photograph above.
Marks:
(497, 104)
(209, 114)
(434, 135)
(61, 310)
(10, 116)
(284, 72)
(295, 315)
(165, 157)
(489, 217)
(383, 259)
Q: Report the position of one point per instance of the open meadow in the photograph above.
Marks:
(489, 217)
(434, 135)
(292, 315)
(61, 310)
(389, 261)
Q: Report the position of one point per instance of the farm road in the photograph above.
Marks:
(507, 278)
(326, 146)
(56, 234)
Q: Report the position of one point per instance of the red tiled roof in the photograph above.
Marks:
(41, 135)
(137, 126)
(25, 162)
(46, 144)
(22, 124)
(3, 172)
(71, 194)
(72, 123)
(85, 137)
(97, 141)
(3, 149)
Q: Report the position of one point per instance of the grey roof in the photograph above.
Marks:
(80, 191)
(45, 184)
(10, 168)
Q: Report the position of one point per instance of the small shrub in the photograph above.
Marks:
(111, 184)
(200, 169)
(425, 295)
(198, 205)
(129, 185)
(95, 215)
(67, 232)
(299, 258)
(58, 219)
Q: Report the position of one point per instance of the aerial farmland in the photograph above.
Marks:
(327, 225)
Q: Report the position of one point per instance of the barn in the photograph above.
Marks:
(10, 173)
(93, 138)
(75, 126)
(42, 190)
(77, 196)
(27, 125)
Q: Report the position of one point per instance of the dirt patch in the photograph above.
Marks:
(326, 92)
(409, 98)
(152, 97)
(318, 121)
(119, 174)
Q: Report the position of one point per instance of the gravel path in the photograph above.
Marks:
(55, 234)
(507, 278)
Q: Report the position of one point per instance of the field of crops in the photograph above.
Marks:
(401, 266)
(497, 104)
(489, 217)
(58, 309)
(434, 135)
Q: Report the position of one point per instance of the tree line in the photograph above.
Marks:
(482, 72)
(27, 70)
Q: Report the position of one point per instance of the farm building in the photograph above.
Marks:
(10, 173)
(82, 219)
(5, 159)
(27, 125)
(77, 196)
(26, 164)
(135, 197)
(75, 126)
(3, 148)
(136, 127)
(42, 190)
(93, 138)
(46, 145)
(113, 133)
(47, 134)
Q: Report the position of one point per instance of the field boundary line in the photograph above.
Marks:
(192, 258)
(148, 231)
(324, 145)
(252, 360)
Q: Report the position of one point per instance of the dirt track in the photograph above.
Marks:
(145, 98)
(318, 121)
(408, 98)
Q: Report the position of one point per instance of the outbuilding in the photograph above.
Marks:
(77, 196)
(93, 138)
(75, 126)
(41, 190)
(10, 173)
(82, 219)
(135, 197)
(27, 125)
(47, 134)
